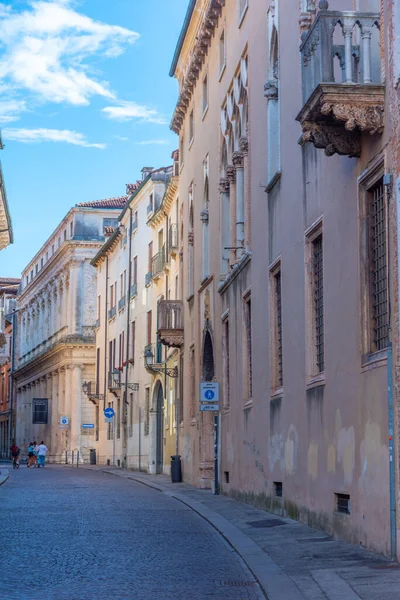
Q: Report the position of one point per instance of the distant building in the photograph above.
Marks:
(8, 291)
(6, 232)
(56, 333)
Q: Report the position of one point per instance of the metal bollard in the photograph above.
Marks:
(66, 457)
(77, 459)
(72, 458)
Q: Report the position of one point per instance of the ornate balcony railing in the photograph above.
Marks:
(157, 263)
(92, 391)
(170, 322)
(173, 240)
(341, 80)
(121, 303)
(147, 278)
(112, 312)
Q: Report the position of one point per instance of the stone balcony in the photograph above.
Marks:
(170, 322)
(343, 94)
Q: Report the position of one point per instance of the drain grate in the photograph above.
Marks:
(238, 583)
(266, 523)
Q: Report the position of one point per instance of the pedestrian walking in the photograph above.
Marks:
(31, 456)
(15, 452)
(42, 451)
(35, 454)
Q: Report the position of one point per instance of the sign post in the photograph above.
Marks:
(209, 402)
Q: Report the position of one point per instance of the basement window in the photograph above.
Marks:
(278, 489)
(343, 503)
(226, 476)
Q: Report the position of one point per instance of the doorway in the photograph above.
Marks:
(159, 403)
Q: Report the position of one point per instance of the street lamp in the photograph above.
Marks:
(85, 388)
(116, 378)
(148, 357)
(161, 368)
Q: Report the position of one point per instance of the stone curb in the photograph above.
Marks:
(4, 475)
(273, 581)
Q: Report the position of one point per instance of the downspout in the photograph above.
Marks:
(11, 392)
(392, 471)
(105, 337)
(128, 314)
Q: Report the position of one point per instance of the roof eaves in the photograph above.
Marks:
(135, 193)
(182, 36)
(106, 246)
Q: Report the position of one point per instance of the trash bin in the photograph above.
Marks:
(92, 456)
(176, 469)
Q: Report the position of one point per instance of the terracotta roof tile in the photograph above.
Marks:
(9, 280)
(118, 202)
(132, 187)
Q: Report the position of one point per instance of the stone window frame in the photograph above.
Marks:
(242, 10)
(313, 376)
(191, 128)
(367, 180)
(222, 63)
(276, 386)
(205, 87)
(247, 345)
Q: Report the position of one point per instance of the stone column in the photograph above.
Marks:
(244, 148)
(231, 177)
(76, 295)
(153, 442)
(224, 224)
(76, 407)
(56, 434)
(206, 244)
(238, 163)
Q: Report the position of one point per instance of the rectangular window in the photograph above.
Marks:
(191, 126)
(110, 356)
(343, 503)
(123, 347)
(121, 285)
(226, 363)
(181, 148)
(135, 270)
(205, 94)
(98, 307)
(130, 433)
(377, 222)
(120, 350)
(180, 399)
(147, 412)
(41, 262)
(97, 423)
(248, 375)
(65, 235)
(222, 53)
(318, 302)
(71, 229)
(40, 408)
(112, 303)
(149, 327)
(136, 219)
(98, 371)
(133, 337)
(110, 426)
(150, 257)
(192, 389)
(276, 328)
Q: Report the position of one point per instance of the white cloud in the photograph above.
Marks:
(10, 110)
(45, 48)
(153, 143)
(121, 138)
(49, 135)
(126, 111)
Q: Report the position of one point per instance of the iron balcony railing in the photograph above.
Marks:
(112, 312)
(114, 380)
(133, 290)
(121, 303)
(147, 278)
(173, 240)
(157, 263)
(170, 314)
(341, 47)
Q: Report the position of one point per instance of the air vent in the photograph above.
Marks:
(226, 476)
(343, 503)
(278, 489)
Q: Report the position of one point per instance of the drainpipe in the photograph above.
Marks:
(128, 314)
(105, 337)
(392, 471)
(11, 431)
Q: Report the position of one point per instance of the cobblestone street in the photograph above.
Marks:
(79, 535)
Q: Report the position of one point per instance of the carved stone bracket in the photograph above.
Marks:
(331, 139)
(237, 159)
(223, 186)
(244, 145)
(204, 216)
(367, 118)
(230, 173)
(271, 90)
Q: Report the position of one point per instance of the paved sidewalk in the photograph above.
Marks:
(4, 475)
(291, 561)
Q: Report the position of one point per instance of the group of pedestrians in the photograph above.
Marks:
(37, 454)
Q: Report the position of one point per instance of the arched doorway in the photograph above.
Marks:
(158, 404)
(208, 358)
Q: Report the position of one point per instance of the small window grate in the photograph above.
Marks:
(319, 303)
(378, 243)
(343, 503)
(278, 489)
(226, 476)
(278, 295)
(40, 411)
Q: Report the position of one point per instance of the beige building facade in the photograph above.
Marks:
(55, 344)
(284, 151)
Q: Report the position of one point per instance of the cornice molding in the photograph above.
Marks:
(199, 53)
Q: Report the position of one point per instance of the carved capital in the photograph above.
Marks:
(271, 90)
(244, 145)
(204, 216)
(237, 159)
(332, 139)
(367, 118)
(223, 186)
(190, 238)
(230, 173)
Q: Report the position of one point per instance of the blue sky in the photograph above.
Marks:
(85, 103)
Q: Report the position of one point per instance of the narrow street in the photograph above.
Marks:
(80, 535)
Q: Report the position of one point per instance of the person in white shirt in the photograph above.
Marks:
(42, 451)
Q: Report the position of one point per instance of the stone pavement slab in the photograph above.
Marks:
(290, 560)
(4, 475)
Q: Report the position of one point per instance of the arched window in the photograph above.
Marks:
(208, 358)
(273, 106)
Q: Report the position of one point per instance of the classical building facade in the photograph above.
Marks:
(56, 334)
(285, 151)
(136, 276)
(6, 232)
(8, 291)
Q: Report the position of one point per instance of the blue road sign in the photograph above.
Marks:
(109, 412)
(209, 392)
(88, 426)
(209, 395)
